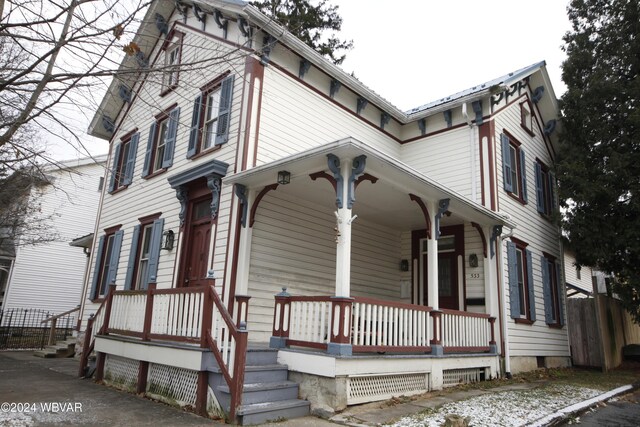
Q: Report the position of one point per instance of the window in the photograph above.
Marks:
(106, 262)
(514, 175)
(521, 286)
(5, 270)
(211, 113)
(554, 315)
(545, 189)
(526, 117)
(124, 159)
(161, 143)
(144, 255)
(172, 58)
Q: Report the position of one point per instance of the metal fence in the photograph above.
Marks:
(23, 328)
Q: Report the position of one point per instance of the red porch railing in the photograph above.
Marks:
(193, 315)
(372, 325)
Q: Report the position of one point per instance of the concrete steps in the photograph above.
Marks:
(267, 394)
(60, 349)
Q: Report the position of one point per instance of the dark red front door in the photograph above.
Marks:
(195, 260)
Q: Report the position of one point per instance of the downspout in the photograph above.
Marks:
(505, 329)
(472, 150)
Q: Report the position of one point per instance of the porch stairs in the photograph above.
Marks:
(268, 395)
(60, 349)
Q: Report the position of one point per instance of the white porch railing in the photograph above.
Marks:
(310, 320)
(127, 312)
(466, 331)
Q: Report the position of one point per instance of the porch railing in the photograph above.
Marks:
(372, 325)
(193, 315)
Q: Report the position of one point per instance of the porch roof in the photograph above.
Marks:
(384, 202)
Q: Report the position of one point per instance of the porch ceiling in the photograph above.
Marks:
(386, 202)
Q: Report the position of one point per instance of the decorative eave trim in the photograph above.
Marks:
(214, 167)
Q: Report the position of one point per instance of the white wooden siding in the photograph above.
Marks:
(540, 233)
(571, 274)
(50, 276)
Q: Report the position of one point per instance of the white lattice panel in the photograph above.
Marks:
(121, 372)
(451, 377)
(172, 385)
(369, 388)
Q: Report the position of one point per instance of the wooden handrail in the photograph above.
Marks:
(57, 316)
(368, 300)
(465, 313)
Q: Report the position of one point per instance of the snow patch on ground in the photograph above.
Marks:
(508, 408)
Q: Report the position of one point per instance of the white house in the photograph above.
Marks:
(377, 252)
(49, 276)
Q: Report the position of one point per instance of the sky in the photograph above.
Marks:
(415, 51)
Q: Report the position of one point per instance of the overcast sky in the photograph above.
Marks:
(415, 51)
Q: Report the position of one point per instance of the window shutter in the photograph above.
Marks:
(131, 159)
(514, 291)
(133, 254)
(539, 188)
(552, 189)
(147, 155)
(506, 164)
(531, 287)
(560, 286)
(115, 257)
(96, 269)
(546, 288)
(224, 112)
(195, 127)
(172, 132)
(114, 168)
(523, 175)
(154, 252)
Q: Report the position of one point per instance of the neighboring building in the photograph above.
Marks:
(49, 276)
(392, 232)
(579, 280)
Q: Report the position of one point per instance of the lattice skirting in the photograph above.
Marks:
(121, 372)
(369, 388)
(451, 377)
(172, 385)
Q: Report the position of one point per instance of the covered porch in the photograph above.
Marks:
(364, 255)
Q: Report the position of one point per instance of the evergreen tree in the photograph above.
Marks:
(309, 23)
(599, 156)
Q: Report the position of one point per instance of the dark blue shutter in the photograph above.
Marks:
(131, 159)
(552, 189)
(172, 132)
(546, 289)
(506, 163)
(539, 188)
(523, 175)
(115, 257)
(560, 287)
(514, 290)
(96, 269)
(133, 255)
(531, 287)
(146, 168)
(154, 252)
(224, 112)
(114, 168)
(195, 127)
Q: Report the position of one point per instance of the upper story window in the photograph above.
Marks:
(545, 189)
(124, 159)
(521, 286)
(211, 114)
(161, 143)
(554, 315)
(172, 60)
(514, 174)
(106, 259)
(146, 240)
(526, 116)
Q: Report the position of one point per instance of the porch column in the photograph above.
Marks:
(244, 244)
(490, 278)
(432, 257)
(343, 233)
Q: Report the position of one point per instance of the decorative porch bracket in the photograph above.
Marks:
(496, 232)
(443, 205)
(425, 212)
(334, 167)
(482, 236)
(182, 194)
(242, 194)
(359, 164)
(254, 207)
(214, 183)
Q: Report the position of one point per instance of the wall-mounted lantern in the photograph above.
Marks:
(168, 238)
(284, 177)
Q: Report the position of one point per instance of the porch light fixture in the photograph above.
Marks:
(404, 265)
(284, 177)
(473, 260)
(167, 240)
